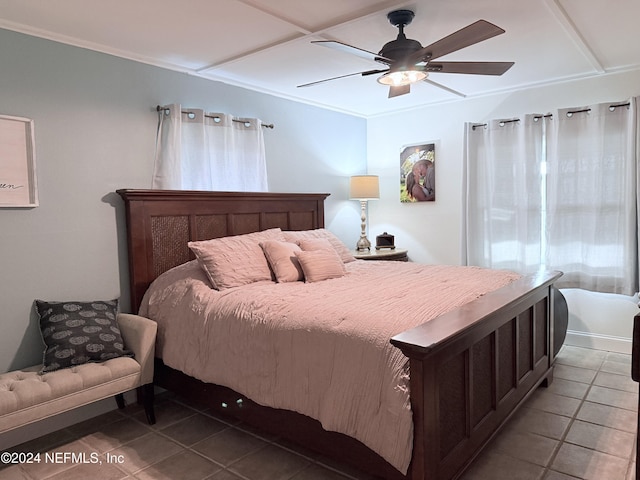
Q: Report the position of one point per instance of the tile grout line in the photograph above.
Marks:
(275, 441)
(562, 439)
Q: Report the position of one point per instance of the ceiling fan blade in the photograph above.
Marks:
(373, 72)
(473, 68)
(343, 47)
(465, 37)
(396, 91)
(450, 90)
(365, 73)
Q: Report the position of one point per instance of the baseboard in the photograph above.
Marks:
(598, 341)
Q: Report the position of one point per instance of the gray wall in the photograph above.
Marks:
(95, 127)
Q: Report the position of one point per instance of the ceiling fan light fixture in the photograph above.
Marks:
(400, 78)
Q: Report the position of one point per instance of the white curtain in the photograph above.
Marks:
(592, 197)
(208, 151)
(503, 194)
(557, 191)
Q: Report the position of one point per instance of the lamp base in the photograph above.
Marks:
(363, 244)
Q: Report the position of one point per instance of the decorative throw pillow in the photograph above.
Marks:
(340, 248)
(237, 260)
(307, 244)
(320, 265)
(282, 260)
(79, 332)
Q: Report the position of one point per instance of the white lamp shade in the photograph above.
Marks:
(364, 187)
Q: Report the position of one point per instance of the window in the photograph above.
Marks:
(208, 151)
(559, 192)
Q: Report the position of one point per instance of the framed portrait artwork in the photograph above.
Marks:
(17, 163)
(418, 173)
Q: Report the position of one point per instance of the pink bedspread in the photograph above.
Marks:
(321, 349)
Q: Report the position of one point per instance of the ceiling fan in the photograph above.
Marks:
(408, 62)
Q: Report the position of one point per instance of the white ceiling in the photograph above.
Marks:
(265, 45)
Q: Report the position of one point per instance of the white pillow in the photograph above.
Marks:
(319, 265)
(340, 248)
(282, 260)
(236, 260)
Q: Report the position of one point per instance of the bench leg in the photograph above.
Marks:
(146, 396)
(120, 400)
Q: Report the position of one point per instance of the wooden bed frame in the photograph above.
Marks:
(470, 368)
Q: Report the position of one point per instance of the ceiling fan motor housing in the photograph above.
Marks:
(402, 46)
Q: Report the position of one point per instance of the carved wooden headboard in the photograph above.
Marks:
(161, 222)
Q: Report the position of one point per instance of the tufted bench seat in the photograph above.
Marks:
(26, 396)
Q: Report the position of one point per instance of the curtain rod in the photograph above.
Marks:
(215, 117)
(538, 117)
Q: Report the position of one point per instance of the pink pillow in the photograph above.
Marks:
(307, 244)
(235, 261)
(282, 260)
(340, 248)
(320, 265)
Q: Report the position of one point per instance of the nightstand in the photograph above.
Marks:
(397, 254)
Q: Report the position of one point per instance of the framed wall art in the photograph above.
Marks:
(17, 163)
(418, 173)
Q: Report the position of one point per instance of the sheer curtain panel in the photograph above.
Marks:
(208, 151)
(503, 194)
(592, 197)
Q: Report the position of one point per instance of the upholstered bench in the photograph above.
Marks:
(27, 396)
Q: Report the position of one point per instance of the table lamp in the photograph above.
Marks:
(363, 188)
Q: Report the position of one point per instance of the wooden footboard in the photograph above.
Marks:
(471, 368)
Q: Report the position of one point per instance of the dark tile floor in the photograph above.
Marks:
(581, 427)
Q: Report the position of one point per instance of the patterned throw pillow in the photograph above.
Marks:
(79, 332)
